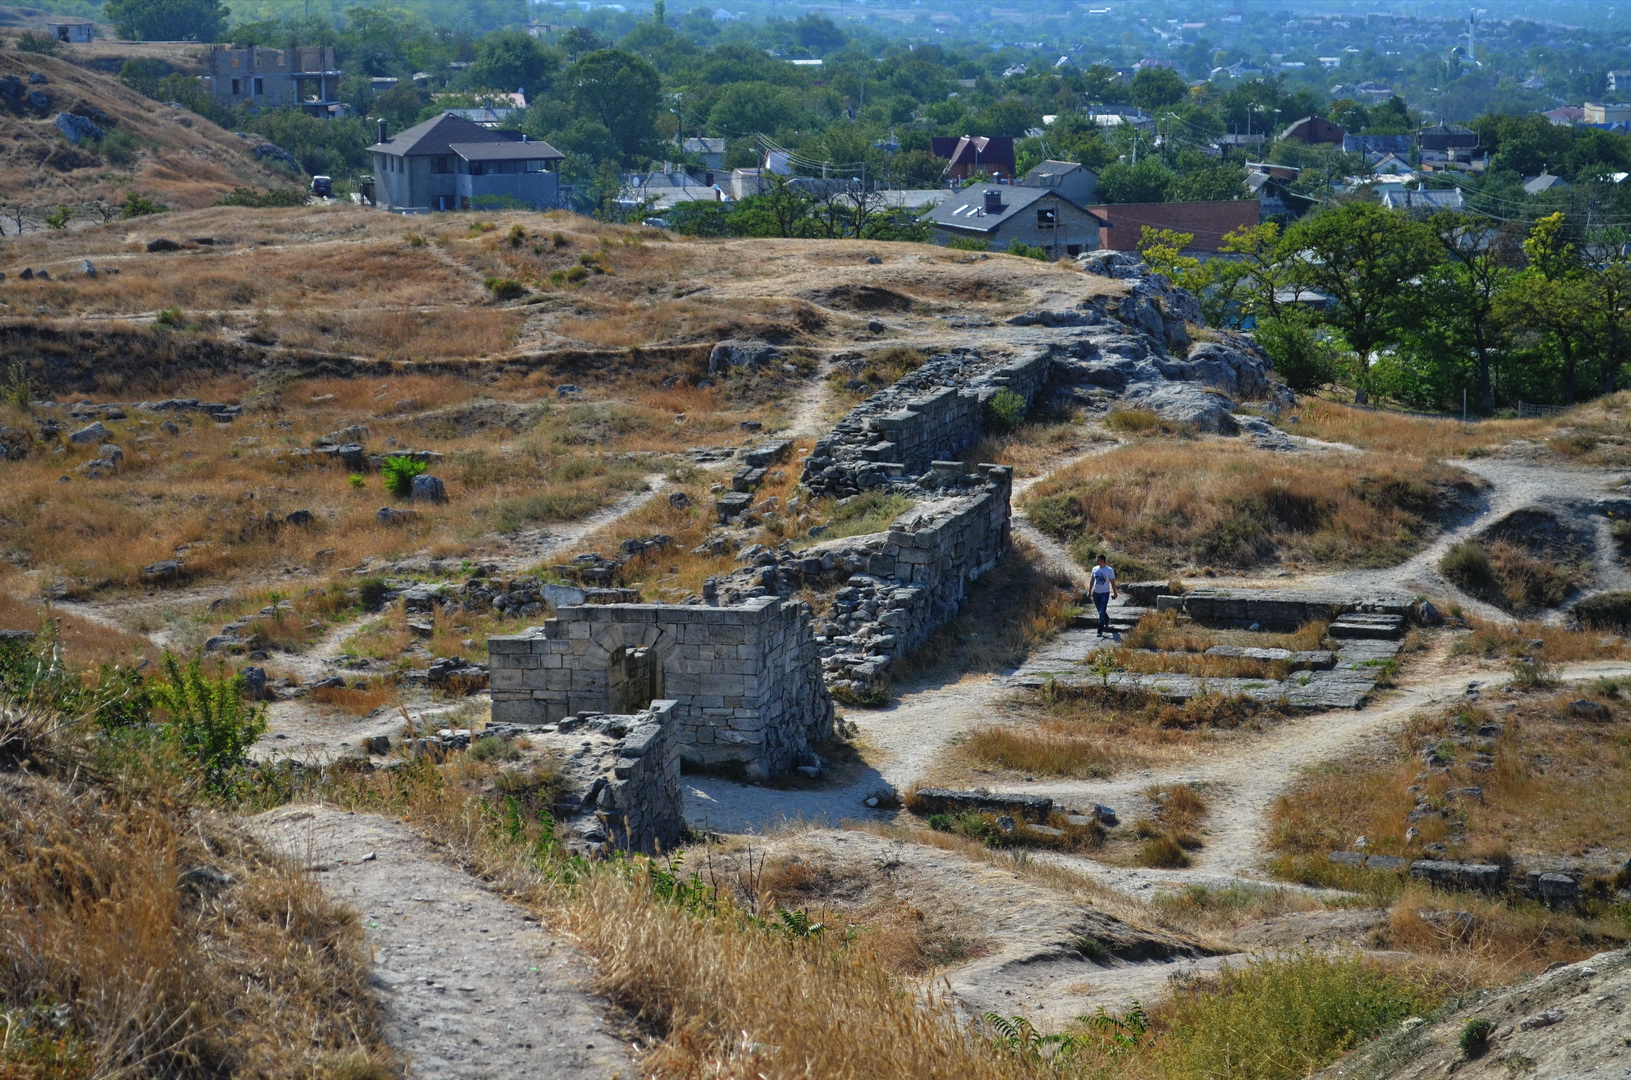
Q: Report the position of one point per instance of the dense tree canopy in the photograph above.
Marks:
(167, 20)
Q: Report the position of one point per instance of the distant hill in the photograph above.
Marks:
(172, 155)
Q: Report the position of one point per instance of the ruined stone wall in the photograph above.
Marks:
(934, 413)
(621, 775)
(745, 679)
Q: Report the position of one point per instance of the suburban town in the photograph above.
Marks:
(1030, 540)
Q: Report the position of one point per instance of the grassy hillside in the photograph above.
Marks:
(171, 155)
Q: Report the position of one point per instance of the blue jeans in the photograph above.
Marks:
(1101, 600)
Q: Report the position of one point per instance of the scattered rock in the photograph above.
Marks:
(299, 517)
(390, 515)
(427, 488)
(162, 244)
(164, 570)
(1586, 709)
(255, 684)
(93, 433)
(77, 129)
(734, 353)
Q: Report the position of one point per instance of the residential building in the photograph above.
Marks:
(305, 77)
(1391, 165)
(1275, 197)
(1207, 222)
(1075, 182)
(665, 187)
(448, 163)
(1313, 131)
(1423, 203)
(1607, 113)
(1447, 139)
(1402, 145)
(71, 30)
(709, 153)
(1236, 145)
(1566, 115)
(1534, 185)
(1036, 216)
(1619, 82)
(971, 155)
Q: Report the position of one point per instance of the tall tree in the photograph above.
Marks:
(1549, 298)
(619, 90)
(1480, 262)
(1363, 257)
(167, 20)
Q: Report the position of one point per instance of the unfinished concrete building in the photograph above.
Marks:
(304, 77)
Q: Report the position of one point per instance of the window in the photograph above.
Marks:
(533, 165)
(260, 86)
(441, 164)
(237, 85)
(1047, 218)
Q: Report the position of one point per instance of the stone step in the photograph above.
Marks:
(1388, 627)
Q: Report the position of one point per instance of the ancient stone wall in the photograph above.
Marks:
(934, 413)
(621, 774)
(745, 679)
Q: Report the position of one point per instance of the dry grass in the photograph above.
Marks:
(1558, 644)
(358, 700)
(1162, 631)
(182, 166)
(1512, 577)
(1035, 448)
(148, 976)
(1164, 507)
(1409, 436)
(85, 642)
(1094, 733)
(1556, 789)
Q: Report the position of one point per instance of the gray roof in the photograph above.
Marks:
(966, 210)
(530, 150)
(1544, 182)
(437, 136)
(1054, 168)
(1445, 199)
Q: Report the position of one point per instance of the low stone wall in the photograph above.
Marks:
(934, 413)
(745, 679)
(1275, 609)
(623, 778)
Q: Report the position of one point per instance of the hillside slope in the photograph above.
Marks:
(176, 156)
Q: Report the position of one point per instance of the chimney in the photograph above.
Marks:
(382, 129)
(993, 201)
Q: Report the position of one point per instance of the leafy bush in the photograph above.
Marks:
(517, 235)
(414, 239)
(1301, 357)
(43, 44)
(1005, 411)
(119, 148)
(505, 288)
(1027, 251)
(398, 471)
(136, 206)
(171, 319)
(285, 196)
(208, 720)
(59, 218)
(969, 243)
(1605, 611)
(371, 592)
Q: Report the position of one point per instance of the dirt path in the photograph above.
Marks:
(473, 988)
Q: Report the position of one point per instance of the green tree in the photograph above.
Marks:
(1157, 86)
(1146, 182)
(167, 20)
(620, 91)
(1363, 257)
(1466, 289)
(1549, 299)
(512, 60)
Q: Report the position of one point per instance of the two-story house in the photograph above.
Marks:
(448, 163)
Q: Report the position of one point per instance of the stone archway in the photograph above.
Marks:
(633, 656)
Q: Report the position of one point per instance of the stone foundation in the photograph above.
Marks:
(745, 679)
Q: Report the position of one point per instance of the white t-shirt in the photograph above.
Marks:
(1102, 577)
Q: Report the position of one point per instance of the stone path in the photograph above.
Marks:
(473, 987)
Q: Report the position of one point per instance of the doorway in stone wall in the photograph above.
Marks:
(634, 679)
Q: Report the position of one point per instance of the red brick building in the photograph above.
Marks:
(1209, 222)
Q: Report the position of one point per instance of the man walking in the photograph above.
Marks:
(1104, 590)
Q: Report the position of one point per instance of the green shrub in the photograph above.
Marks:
(357, 481)
(1466, 566)
(1301, 357)
(1605, 611)
(493, 748)
(171, 319)
(1474, 1038)
(120, 148)
(1005, 411)
(59, 218)
(208, 720)
(371, 592)
(1026, 251)
(398, 471)
(43, 44)
(504, 288)
(969, 243)
(414, 239)
(139, 206)
(517, 236)
(243, 196)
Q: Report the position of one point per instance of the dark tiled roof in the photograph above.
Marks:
(966, 210)
(437, 136)
(506, 151)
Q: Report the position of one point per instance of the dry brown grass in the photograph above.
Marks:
(1559, 644)
(1556, 790)
(1092, 733)
(358, 700)
(1410, 436)
(183, 166)
(1163, 507)
(85, 642)
(151, 977)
